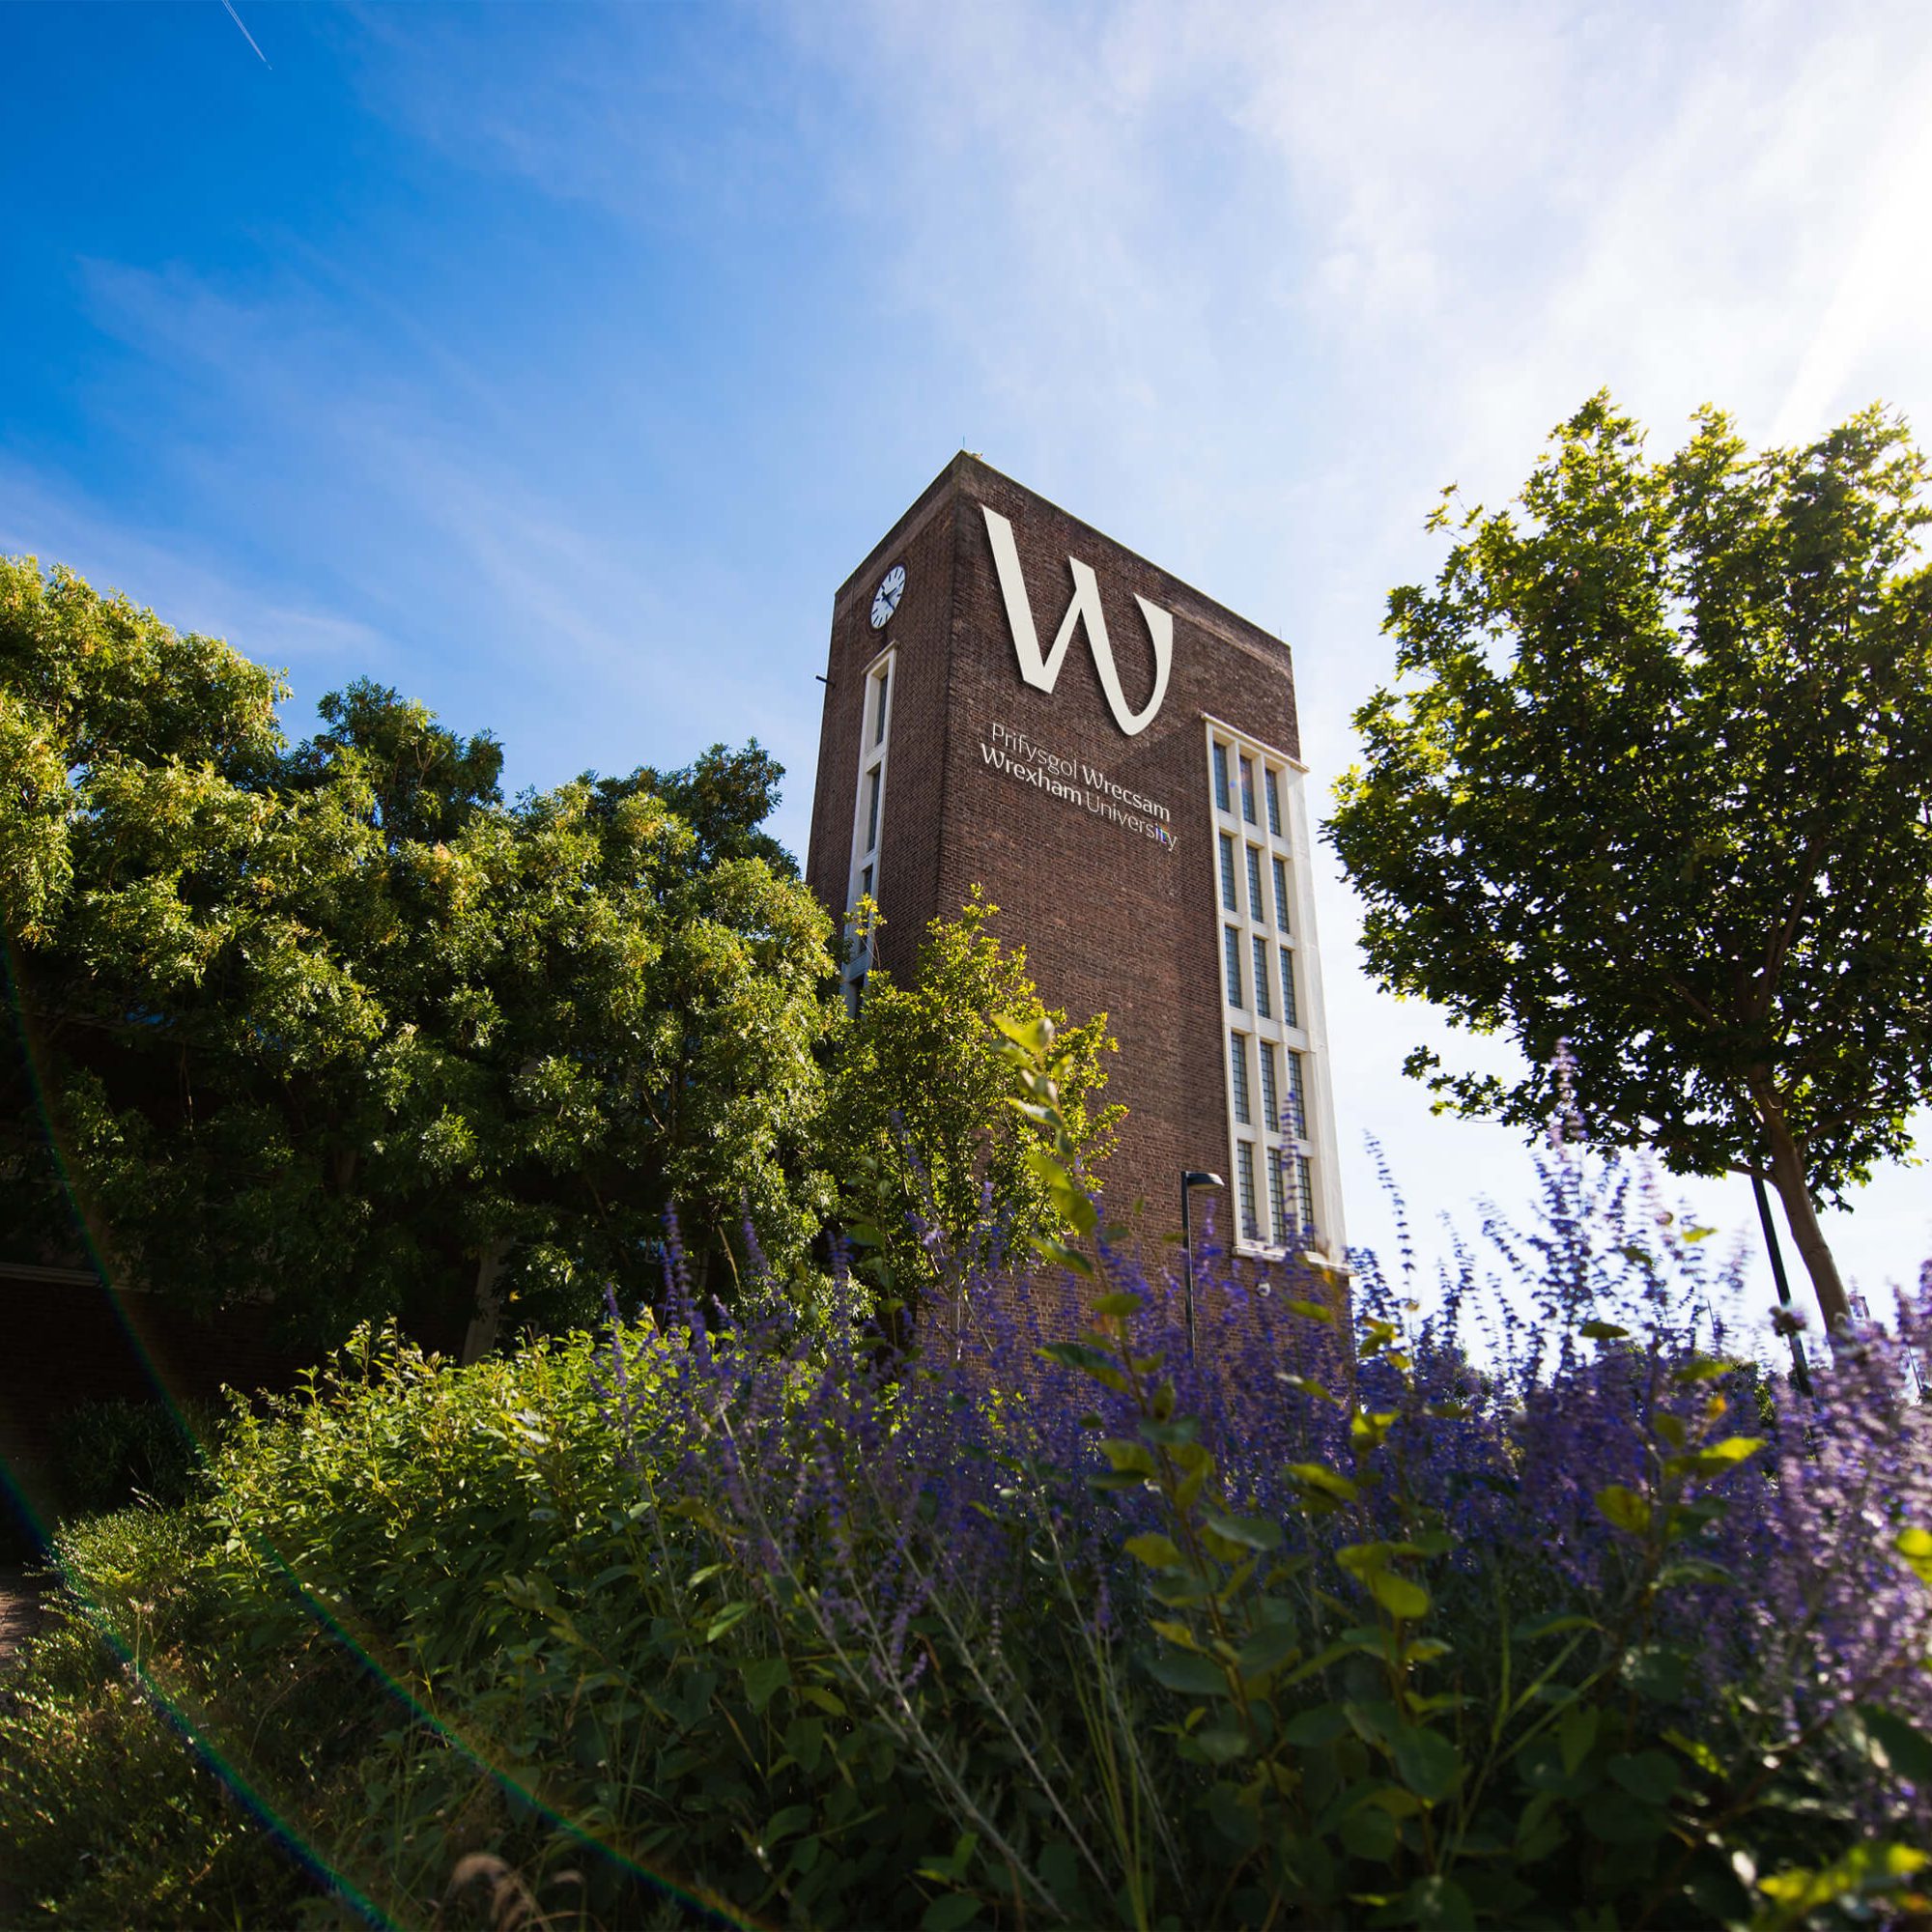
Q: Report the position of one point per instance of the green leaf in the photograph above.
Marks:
(1602, 1331)
(1656, 1671)
(1036, 1035)
(1914, 1545)
(764, 1678)
(1323, 1480)
(1188, 1673)
(1439, 1904)
(1108, 1305)
(1426, 1762)
(1533, 1628)
(1088, 1360)
(727, 1619)
(948, 1912)
(1267, 1650)
(1309, 1730)
(1156, 1552)
(1700, 1754)
(788, 1823)
(1222, 1744)
(1909, 1748)
(1370, 1833)
(1705, 1369)
(1619, 1819)
(1061, 1256)
(1651, 1775)
(1865, 1871)
(1716, 1456)
(1624, 1508)
(1576, 1733)
(1397, 1595)
(1252, 1532)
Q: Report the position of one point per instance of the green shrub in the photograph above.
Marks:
(112, 1452)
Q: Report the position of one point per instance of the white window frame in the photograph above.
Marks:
(1276, 1146)
(874, 748)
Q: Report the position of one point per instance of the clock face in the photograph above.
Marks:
(892, 587)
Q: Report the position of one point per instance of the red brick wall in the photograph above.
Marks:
(1111, 921)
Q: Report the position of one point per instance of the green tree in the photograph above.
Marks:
(919, 1126)
(336, 1024)
(1660, 786)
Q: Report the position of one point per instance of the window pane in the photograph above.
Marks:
(1255, 907)
(1288, 1011)
(1281, 893)
(1238, 1072)
(1274, 801)
(1233, 953)
(1261, 1005)
(1304, 1190)
(1270, 1119)
(1297, 1107)
(1277, 1211)
(866, 883)
(1248, 790)
(1244, 1174)
(1227, 874)
(1221, 800)
(872, 810)
(883, 680)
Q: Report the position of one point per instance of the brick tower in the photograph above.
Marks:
(1016, 701)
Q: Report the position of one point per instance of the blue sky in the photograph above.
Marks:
(555, 363)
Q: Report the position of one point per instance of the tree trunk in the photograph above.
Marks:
(481, 1337)
(1787, 1175)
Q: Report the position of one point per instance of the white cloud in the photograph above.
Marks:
(1246, 286)
(39, 518)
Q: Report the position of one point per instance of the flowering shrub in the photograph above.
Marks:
(1533, 1605)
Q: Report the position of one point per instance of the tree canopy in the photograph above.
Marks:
(1656, 781)
(919, 1128)
(335, 1024)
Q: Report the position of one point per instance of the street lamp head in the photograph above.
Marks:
(1194, 1178)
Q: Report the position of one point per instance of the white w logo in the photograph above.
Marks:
(1043, 672)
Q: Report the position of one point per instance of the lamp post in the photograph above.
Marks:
(1191, 1179)
(1801, 1371)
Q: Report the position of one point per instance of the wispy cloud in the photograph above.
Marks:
(1247, 286)
(57, 523)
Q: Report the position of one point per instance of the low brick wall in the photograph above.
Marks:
(68, 1341)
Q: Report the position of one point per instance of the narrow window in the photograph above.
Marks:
(1256, 909)
(1297, 1107)
(1274, 800)
(1237, 1068)
(1221, 799)
(1232, 951)
(1227, 874)
(1277, 1210)
(1244, 1174)
(1261, 978)
(883, 681)
(1288, 1006)
(1248, 790)
(1304, 1191)
(1270, 1119)
(866, 883)
(1281, 893)
(872, 810)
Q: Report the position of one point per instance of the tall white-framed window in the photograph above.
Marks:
(1280, 1119)
(868, 808)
